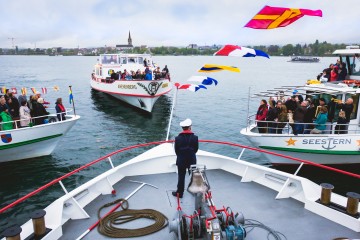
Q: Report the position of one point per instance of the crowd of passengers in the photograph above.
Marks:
(147, 74)
(335, 72)
(303, 116)
(21, 112)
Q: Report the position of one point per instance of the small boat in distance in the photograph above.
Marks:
(337, 143)
(132, 78)
(34, 141)
(304, 59)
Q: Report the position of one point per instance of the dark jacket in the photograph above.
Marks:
(339, 128)
(186, 146)
(299, 113)
(348, 109)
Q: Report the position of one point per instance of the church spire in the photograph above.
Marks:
(129, 39)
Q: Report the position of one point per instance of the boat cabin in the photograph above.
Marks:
(351, 56)
(109, 64)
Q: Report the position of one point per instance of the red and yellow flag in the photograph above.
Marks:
(275, 17)
(33, 90)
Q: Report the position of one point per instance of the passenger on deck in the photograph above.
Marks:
(148, 74)
(60, 110)
(25, 116)
(299, 115)
(348, 108)
(322, 103)
(309, 117)
(157, 73)
(38, 111)
(320, 122)
(291, 104)
(342, 71)
(165, 71)
(138, 74)
(145, 63)
(282, 119)
(340, 127)
(261, 116)
(334, 74)
(271, 116)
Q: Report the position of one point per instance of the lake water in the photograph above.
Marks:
(107, 124)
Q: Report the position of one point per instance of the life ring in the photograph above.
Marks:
(352, 82)
(313, 81)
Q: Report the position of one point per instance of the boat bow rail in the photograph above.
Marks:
(71, 205)
(52, 117)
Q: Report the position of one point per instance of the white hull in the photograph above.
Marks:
(161, 159)
(34, 141)
(141, 94)
(318, 148)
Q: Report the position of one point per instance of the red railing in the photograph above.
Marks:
(161, 142)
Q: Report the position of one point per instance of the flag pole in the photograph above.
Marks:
(72, 100)
(171, 114)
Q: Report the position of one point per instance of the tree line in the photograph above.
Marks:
(313, 49)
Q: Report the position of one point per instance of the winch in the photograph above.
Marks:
(207, 221)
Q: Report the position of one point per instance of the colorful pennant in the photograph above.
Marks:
(275, 17)
(237, 51)
(217, 68)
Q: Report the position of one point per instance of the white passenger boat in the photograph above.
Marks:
(35, 141)
(227, 198)
(329, 147)
(134, 90)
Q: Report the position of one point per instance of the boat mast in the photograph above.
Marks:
(171, 114)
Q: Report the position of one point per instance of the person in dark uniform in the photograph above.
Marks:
(186, 146)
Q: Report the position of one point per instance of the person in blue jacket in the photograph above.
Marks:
(186, 146)
(320, 122)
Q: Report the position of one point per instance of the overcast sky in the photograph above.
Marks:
(94, 23)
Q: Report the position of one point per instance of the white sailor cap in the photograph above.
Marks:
(186, 123)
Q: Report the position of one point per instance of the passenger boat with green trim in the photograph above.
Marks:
(34, 141)
(139, 90)
(330, 146)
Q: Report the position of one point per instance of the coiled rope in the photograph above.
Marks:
(108, 224)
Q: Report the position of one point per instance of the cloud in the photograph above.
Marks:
(87, 23)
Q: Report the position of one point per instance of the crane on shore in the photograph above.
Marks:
(12, 42)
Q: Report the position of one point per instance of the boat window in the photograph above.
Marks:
(140, 60)
(132, 60)
(123, 60)
(355, 65)
(356, 104)
(100, 72)
(97, 71)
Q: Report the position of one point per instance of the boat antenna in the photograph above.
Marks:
(171, 114)
(71, 98)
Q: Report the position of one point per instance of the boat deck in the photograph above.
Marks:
(253, 200)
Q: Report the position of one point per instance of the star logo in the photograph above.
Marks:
(291, 142)
(358, 142)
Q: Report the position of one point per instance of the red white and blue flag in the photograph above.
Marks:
(203, 80)
(237, 51)
(190, 87)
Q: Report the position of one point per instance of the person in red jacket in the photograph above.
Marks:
(261, 116)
